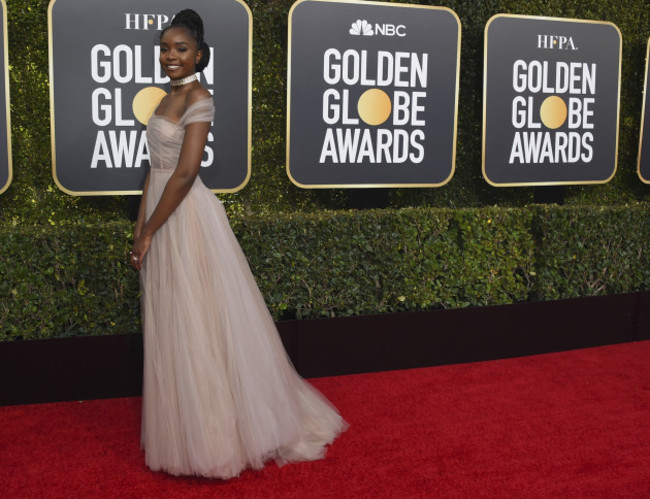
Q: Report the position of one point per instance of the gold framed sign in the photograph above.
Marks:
(643, 168)
(372, 94)
(551, 101)
(105, 82)
(5, 123)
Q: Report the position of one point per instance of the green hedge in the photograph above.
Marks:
(75, 280)
(351, 263)
(595, 251)
(67, 281)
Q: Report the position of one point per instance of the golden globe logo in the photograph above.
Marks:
(404, 75)
(572, 89)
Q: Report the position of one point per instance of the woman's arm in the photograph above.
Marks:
(142, 209)
(178, 185)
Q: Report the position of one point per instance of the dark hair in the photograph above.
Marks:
(192, 22)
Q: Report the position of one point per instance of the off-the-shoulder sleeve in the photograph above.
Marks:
(199, 112)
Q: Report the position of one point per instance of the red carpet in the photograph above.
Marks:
(572, 424)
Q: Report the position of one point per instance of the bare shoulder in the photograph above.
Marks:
(195, 95)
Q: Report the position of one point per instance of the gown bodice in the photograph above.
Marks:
(165, 137)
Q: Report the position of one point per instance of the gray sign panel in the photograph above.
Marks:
(644, 152)
(373, 94)
(105, 81)
(551, 101)
(5, 128)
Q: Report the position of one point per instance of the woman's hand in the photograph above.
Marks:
(139, 250)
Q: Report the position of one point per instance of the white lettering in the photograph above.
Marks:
(102, 113)
(402, 69)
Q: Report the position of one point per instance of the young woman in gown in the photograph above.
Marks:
(219, 392)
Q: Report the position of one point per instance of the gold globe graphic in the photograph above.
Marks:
(553, 112)
(145, 103)
(374, 106)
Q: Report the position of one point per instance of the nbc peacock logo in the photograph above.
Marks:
(361, 28)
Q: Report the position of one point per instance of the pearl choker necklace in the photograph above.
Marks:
(183, 81)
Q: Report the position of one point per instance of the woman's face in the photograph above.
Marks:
(178, 53)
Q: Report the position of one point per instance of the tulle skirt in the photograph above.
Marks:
(219, 393)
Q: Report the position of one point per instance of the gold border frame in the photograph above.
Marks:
(139, 192)
(618, 102)
(366, 186)
(7, 103)
(645, 96)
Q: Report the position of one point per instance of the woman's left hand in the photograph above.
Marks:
(140, 247)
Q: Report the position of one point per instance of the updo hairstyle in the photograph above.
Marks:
(192, 22)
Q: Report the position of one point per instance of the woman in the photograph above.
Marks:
(219, 393)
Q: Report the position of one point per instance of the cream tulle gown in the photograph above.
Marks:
(219, 393)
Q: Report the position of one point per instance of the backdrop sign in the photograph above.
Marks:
(5, 128)
(373, 94)
(644, 153)
(105, 82)
(551, 101)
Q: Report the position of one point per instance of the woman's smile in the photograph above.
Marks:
(178, 53)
